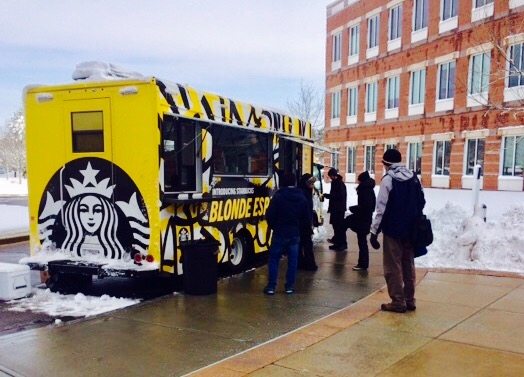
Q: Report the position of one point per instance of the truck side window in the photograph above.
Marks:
(179, 138)
(88, 131)
(239, 152)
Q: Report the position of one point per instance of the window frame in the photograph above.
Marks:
(396, 100)
(446, 158)
(351, 161)
(369, 158)
(373, 84)
(518, 141)
(519, 70)
(423, 13)
(448, 81)
(452, 10)
(421, 88)
(337, 47)
(472, 73)
(354, 102)
(476, 155)
(335, 104)
(391, 34)
(354, 48)
(418, 157)
(373, 35)
(197, 142)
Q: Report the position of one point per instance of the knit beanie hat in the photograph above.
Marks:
(391, 156)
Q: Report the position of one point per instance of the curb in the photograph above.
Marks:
(14, 238)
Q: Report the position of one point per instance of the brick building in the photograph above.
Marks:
(440, 80)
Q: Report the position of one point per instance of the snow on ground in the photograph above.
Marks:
(58, 305)
(466, 242)
(13, 219)
(11, 186)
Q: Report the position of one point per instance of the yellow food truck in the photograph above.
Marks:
(122, 172)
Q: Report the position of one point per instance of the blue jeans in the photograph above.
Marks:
(279, 244)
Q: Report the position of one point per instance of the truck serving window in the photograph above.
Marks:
(179, 153)
(88, 131)
(239, 152)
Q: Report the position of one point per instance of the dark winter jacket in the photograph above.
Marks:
(337, 198)
(363, 211)
(400, 202)
(288, 212)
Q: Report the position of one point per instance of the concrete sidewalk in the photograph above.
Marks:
(466, 324)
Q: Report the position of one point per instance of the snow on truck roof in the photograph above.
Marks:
(93, 72)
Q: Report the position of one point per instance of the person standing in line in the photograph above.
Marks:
(362, 217)
(337, 209)
(400, 202)
(306, 257)
(286, 214)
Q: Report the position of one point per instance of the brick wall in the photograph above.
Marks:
(462, 118)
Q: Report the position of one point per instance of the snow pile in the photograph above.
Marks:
(99, 71)
(58, 305)
(462, 241)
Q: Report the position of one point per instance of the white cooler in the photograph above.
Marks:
(15, 281)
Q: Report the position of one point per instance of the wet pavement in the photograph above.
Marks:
(465, 325)
(176, 334)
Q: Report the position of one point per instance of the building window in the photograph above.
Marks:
(482, 9)
(479, 73)
(354, 40)
(516, 65)
(446, 80)
(513, 156)
(334, 159)
(395, 22)
(418, 87)
(481, 3)
(474, 154)
(369, 158)
(373, 31)
(393, 92)
(351, 159)
(449, 9)
(390, 146)
(420, 14)
(352, 101)
(335, 105)
(371, 97)
(337, 44)
(442, 157)
(415, 157)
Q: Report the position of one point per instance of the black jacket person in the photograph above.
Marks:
(337, 209)
(362, 217)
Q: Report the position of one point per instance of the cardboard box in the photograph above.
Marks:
(15, 281)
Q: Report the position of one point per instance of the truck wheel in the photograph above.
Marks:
(240, 253)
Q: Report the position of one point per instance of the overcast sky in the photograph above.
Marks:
(253, 50)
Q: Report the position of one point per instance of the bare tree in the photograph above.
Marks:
(309, 105)
(12, 145)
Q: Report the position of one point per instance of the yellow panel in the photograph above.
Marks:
(87, 121)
